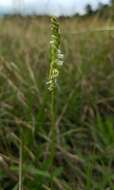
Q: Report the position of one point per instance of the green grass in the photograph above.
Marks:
(84, 157)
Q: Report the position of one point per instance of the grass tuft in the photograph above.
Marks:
(67, 126)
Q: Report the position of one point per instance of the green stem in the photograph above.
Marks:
(53, 126)
(53, 134)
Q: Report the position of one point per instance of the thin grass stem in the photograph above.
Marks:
(20, 161)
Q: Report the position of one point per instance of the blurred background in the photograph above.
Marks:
(84, 157)
(47, 7)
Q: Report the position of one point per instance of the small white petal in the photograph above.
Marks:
(60, 63)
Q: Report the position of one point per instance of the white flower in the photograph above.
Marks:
(60, 57)
(49, 82)
(55, 73)
(56, 56)
(52, 42)
(60, 62)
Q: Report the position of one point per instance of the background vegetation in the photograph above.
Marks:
(85, 105)
(103, 10)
